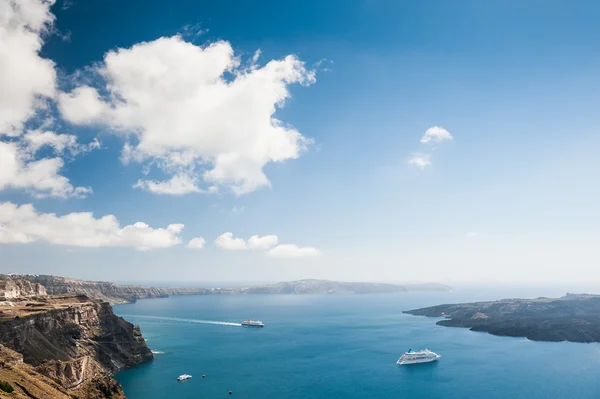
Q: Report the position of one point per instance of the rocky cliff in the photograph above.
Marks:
(99, 290)
(20, 288)
(69, 345)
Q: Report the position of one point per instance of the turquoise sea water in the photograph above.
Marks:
(341, 347)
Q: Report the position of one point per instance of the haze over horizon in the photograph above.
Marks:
(351, 141)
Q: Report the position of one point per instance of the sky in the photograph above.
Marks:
(373, 140)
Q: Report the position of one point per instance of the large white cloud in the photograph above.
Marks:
(27, 85)
(26, 79)
(293, 251)
(196, 104)
(23, 224)
(19, 170)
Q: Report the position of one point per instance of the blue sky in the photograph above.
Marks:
(512, 196)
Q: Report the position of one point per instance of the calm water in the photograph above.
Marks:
(341, 347)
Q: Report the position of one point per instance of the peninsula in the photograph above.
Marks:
(114, 293)
(573, 317)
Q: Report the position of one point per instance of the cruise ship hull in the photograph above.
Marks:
(428, 360)
(252, 323)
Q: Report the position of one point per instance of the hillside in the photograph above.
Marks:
(574, 318)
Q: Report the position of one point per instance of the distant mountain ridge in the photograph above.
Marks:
(114, 293)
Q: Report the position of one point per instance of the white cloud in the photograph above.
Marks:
(27, 79)
(264, 242)
(436, 134)
(293, 251)
(36, 139)
(196, 243)
(27, 84)
(23, 224)
(179, 184)
(226, 241)
(176, 97)
(18, 170)
(83, 106)
(420, 160)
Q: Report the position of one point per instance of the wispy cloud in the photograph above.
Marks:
(193, 31)
(238, 209)
(433, 135)
(420, 160)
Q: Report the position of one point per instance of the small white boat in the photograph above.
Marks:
(252, 323)
(412, 357)
(184, 377)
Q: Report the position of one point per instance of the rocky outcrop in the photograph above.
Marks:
(73, 341)
(10, 289)
(574, 317)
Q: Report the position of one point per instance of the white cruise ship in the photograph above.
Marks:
(184, 377)
(252, 323)
(412, 357)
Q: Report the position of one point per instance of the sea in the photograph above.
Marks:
(341, 346)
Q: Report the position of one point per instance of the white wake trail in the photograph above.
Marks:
(197, 321)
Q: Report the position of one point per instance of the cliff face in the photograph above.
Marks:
(74, 342)
(20, 288)
(99, 290)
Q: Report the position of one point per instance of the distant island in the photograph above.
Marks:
(114, 293)
(573, 317)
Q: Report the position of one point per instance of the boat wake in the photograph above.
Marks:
(182, 320)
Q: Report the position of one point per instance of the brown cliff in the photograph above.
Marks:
(68, 345)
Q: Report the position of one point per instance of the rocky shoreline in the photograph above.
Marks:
(64, 346)
(573, 318)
